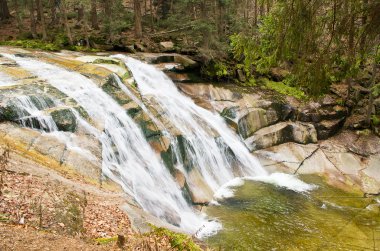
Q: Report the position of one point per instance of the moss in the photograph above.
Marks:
(229, 112)
(82, 48)
(126, 75)
(112, 89)
(33, 44)
(8, 113)
(250, 83)
(106, 240)
(375, 120)
(169, 159)
(365, 132)
(106, 61)
(4, 218)
(284, 89)
(177, 241)
(133, 112)
(65, 120)
(57, 45)
(82, 112)
(149, 129)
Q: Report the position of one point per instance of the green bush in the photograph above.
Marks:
(33, 44)
(177, 241)
(282, 88)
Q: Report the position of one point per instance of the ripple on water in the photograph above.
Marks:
(266, 217)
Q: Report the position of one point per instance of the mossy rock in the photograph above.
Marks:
(8, 113)
(169, 159)
(65, 120)
(185, 148)
(82, 112)
(37, 102)
(149, 130)
(112, 89)
(106, 61)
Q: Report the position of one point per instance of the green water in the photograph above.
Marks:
(265, 217)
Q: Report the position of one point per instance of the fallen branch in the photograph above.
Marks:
(308, 157)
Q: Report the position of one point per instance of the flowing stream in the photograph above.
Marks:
(30, 113)
(211, 145)
(127, 157)
(198, 126)
(6, 80)
(207, 144)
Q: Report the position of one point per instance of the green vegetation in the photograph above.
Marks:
(320, 42)
(375, 120)
(177, 241)
(4, 218)
(105, 240)
(33, 44)
(45, 46)
(283, 88)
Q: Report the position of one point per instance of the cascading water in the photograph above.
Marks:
(127, 157)
(32, 116)
(6, 80)
(197, 125)
(31, 113)
(214, 156)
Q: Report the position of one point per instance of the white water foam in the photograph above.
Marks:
(197, 125)
(127, 157)
(288, 181)
(6, 80)
(208, 139)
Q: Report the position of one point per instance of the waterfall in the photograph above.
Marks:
(30, 113)
(205, 143)
(127, 158)
(209, 151)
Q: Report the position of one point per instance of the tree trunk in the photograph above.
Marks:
(351, 32)
(54, 5)
(94, 16)
(33, 29)
(18, 16)
(255, 12)
(373, 82)
(364, 22)
(151, 15)
(39, 14)
(80, 15)
(108, 18)
(138, 25)
(4, 10)
(262, 9)
(85, 30)
(42, 18)
(66, 22)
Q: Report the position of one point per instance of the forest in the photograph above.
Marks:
(317, 42)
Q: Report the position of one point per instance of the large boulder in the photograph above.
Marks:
(328, 128)
(280, 133)
(200, 192)
(251, 122)
(167, 46)
(8, 113)
(64, 119)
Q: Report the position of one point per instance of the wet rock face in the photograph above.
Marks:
(65, 120)
(282, 133)
(8, 113)
(347, 160)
